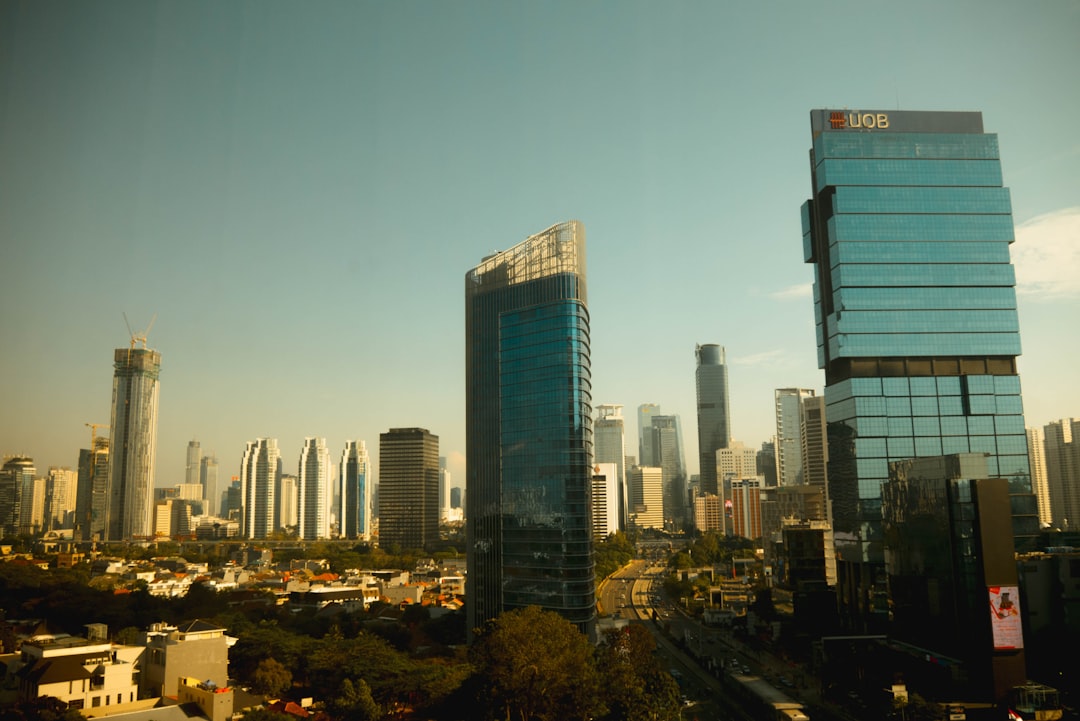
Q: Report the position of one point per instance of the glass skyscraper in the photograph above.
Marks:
(909, 230)
(713, 414)
(529, 430)
(354, 516)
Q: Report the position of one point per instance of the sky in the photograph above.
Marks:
(294, 192)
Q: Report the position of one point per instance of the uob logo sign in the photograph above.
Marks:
(858, 121)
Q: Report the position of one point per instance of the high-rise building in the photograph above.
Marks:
(609, 444)
(60, 491)
(92, 490)
(1039, 484)
(646, 453)
(815, 452)
(408, 488)
(1061, 444)
(667, 449)
(788, 434)
(16, 493)
(647, 493)
(444, 490)
(528, 420)
(259, 472)
(605, 500)
(909, 230)
(194, 460)
(287, 502)
(314, 490)
(746, 507)
(129, 511)
(355, 517)
(713, 412)
(766, 462)
(208, 477)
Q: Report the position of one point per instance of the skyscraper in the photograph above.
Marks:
(444, 490)
(713, 413)
(909, 230)
(529, 430)
(60, 488)
(647, 494)
(815, 453)
(16, 486)
(1061, 443)
(194, 461)
(355, 517)
(258, 483)
(129, 511)
(314, 490)
(788, 434)
(605, 500)
(667, 449)
(408, 488)
(646, 453)
(1039, 484)
(92, 490)
(208, 477)
(609, 435)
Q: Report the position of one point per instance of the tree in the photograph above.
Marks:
(354, 702)
(536, 666)
(271, 678)
(635, 687)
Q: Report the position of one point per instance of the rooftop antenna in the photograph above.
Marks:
(141, 335)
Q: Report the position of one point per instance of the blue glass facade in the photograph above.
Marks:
(529, 430)
(914, 300)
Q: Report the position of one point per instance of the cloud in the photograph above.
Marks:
(794, 292)
(763, 358)
(1047, 256)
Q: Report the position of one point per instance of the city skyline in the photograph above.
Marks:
(254, 178)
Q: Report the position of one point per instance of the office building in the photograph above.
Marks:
(259, 472)
(444, 490)
(787, 402)
(354, 519)
(708, 512)
(1061, 446)
(16, 483)
(647, 496)
(953, 581)
(667, 449)
(909, 230)
(208, 477)
(609, 438)
(815, 451)
(713, 412)
(408, 488)
(746, 497)
(1039, 484)
(194, 461)
(605, 500)
(766, 462)
(455, 497)
(313, 488)
(129, 510)
(92, 490)
(647, 456)
(60, 492)
(287, 503)
(528, 419)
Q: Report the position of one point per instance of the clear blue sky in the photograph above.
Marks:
(298, 189)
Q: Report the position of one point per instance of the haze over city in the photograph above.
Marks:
(296, 192)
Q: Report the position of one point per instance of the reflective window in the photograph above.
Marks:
(899, 226)
(980, 426)
(843, 171)
(916, 275)
(924, 406)
(900, 427)
(907, 145)
(938, 199)
(926, 426)
(928, 446)
(954, 444)
(953, 425)
(924, 299)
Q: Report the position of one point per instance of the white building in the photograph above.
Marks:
(60, 487)
(258, 481)
(647, 496)
(313, 488)
(605, 500)
(609, 446)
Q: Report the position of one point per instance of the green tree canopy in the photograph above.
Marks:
(536, 666)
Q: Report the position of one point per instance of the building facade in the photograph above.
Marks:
(194, 460)
(713, 410)
(609, 435)
(909, 230)
(354, 519)
(647, 497)
(129, 511)
(815, 451)
(647, 456)
(529, 444)
(92, 490)
(208, 477)
(259, 471)
(605, 500)
(16, 485)
(408, 488)
(788, 405)
(314, 490)
(1061, 446)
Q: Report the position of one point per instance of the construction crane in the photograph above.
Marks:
(93, 432)
(139, 336)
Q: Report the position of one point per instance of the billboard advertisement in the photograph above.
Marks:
(1005, 617)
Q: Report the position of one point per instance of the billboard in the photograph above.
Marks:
(1005, 617)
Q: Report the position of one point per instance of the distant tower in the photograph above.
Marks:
(668, 454)
(16, 488)
(788, 440)
(815, 450)
(605, 499)
(408, 488)
(129, 512)
(92, 490)
(713, 414)
(208, 477)
(60, 488)
(647, 490)
(314, 490)
(646, 453)
(444, 489)
(194, 458)
(1061, 442)
(1039, 482)
(355, 517)
(609, 443)
(258, 481)
(286, 502)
